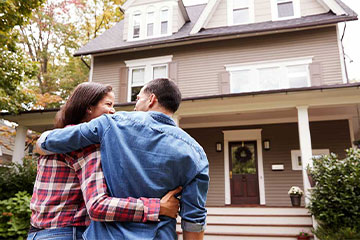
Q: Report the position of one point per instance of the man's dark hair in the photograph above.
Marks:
(166, 91)
(85, 95)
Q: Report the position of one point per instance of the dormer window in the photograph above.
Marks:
(164, 21)
(240, 12)
(150, 24)
(137, 21)
(285, 9)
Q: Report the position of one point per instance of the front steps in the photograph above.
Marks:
(255, 223)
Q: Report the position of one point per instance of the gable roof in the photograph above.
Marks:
(111, 41)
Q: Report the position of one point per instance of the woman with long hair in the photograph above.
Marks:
(70, 189)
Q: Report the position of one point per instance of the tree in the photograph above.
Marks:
(14, 66)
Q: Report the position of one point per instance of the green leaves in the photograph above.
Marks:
(335, 200)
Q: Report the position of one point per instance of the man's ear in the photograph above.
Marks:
(153, 100)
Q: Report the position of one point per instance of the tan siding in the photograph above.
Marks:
(283, 139)
(219, 17)
(144, 2)
(107, 71)
(311, 7)
(199, 65)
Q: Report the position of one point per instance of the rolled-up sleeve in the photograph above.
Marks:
(75, 137)
(193, 199)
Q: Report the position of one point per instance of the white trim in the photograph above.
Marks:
(270, 63)
(205, 16)
(297, 153)
(261, 121)
(230, 14)
(1, 151)
(19, 146)
(275, 14)
(341, 54)
(352, 132)
(333, 6)
(148, 64)
(91, 74)
(145, 61)
(243, 135)
(305, 146)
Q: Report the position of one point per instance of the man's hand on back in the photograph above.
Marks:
(169, 204)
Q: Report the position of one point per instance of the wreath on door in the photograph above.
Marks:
(243, 154)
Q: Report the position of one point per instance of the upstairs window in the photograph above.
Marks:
(136, 25)
(164, 18)
(150, 24)
(269, 76)
(285, 9)
(142, 71)
(241, 11)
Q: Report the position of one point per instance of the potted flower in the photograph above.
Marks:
(295, 195)
(303, 235)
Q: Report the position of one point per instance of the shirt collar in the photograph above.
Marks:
(163, 118)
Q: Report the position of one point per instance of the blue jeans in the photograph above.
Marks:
(64, 233)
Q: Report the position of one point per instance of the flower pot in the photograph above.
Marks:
(303, 237)
(295, 200)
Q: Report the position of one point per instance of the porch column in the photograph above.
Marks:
(176, 119)
(19, 147)
(305, 146)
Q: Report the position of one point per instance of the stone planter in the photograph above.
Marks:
(295, 200)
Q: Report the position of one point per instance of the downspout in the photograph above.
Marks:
(343, 50)
(82, 59)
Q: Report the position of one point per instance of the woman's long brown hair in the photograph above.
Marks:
(85, 95)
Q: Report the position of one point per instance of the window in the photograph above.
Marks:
(164, 21)
(241, 11)
(296, 157)
(285, 9)
(150, 24)
(269, 76)
(144, 70)
(136, 30)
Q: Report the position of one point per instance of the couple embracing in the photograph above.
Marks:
(125, 171)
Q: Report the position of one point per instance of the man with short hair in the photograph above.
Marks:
(145, 154)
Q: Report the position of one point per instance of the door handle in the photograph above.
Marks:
(230, 174)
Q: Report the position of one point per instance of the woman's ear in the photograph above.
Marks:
(89, 110)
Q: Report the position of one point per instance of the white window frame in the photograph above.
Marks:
(295, 154)
(144, 9)
(153, 11)
(148, 64)
(133, 24)
(167, 20)
(255, 66)
(275, 13)
(230, 13)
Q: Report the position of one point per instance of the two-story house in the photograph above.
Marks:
(264, 89)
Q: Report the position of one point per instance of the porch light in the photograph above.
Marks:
(266, 145)
(218, 146)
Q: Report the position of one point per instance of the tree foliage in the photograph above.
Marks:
(335, 200)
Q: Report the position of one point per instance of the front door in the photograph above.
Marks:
(243, 173)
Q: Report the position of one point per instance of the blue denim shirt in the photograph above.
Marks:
(143, 155)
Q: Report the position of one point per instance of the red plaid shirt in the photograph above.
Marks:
(68, 184)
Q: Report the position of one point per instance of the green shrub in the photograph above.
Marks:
(16, 177)
(335, 200)
(15, 216)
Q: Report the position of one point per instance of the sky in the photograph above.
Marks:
(351, 39)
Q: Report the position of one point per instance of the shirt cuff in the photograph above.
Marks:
(40, 143)
(192, 227)
(151, 209)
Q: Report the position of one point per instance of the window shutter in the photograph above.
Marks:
(173, 72)
(224, 82)
(315, 74)
(124, 71)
